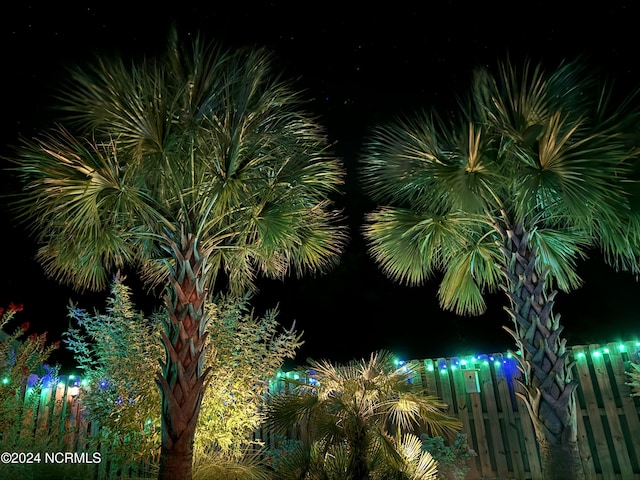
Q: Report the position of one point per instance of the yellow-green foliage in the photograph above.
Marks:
(246, 352)
(119, 353)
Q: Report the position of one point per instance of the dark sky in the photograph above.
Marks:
(359, 66)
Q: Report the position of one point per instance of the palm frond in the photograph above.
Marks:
(470, 274)
(558, 252)
(417, 464)
(410, 246)
(423, 163)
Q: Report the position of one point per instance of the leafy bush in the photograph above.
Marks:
(24, 374)
(118, 352)
(452, 459)
(246, 352)
(286, 458)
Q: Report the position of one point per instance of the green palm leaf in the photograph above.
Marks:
(469, 275)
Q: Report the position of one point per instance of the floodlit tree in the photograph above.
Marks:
(200, 168)
(249, 351)
(533, 172)
(358, 419)
(117, 352)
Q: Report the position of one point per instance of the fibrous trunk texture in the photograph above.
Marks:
(547, 383)
(359, 465)
(182, 379)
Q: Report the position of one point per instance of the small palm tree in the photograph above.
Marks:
(199, 168)
(634, 379)
(359, 415)
(533, 172)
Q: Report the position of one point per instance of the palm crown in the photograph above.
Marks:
(203, 141)
(527, 148)
(360, 417)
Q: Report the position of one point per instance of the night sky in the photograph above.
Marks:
(359, 67)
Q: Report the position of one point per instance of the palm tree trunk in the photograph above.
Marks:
(182, 379)
(359, 465)
(548, 384)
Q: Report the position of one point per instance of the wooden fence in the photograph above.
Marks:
(479, 390)
(55, 437)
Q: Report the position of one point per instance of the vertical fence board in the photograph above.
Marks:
(464, 413)
(593, 415)
(429, 377)
(498, 447)
(607, 385)
(483, 441)
(44, 409)
(504, 376)
(584, 445)
(445, 391)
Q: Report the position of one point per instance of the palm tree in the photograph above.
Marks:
(201, 169)
(358, 413)
(532, 173)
